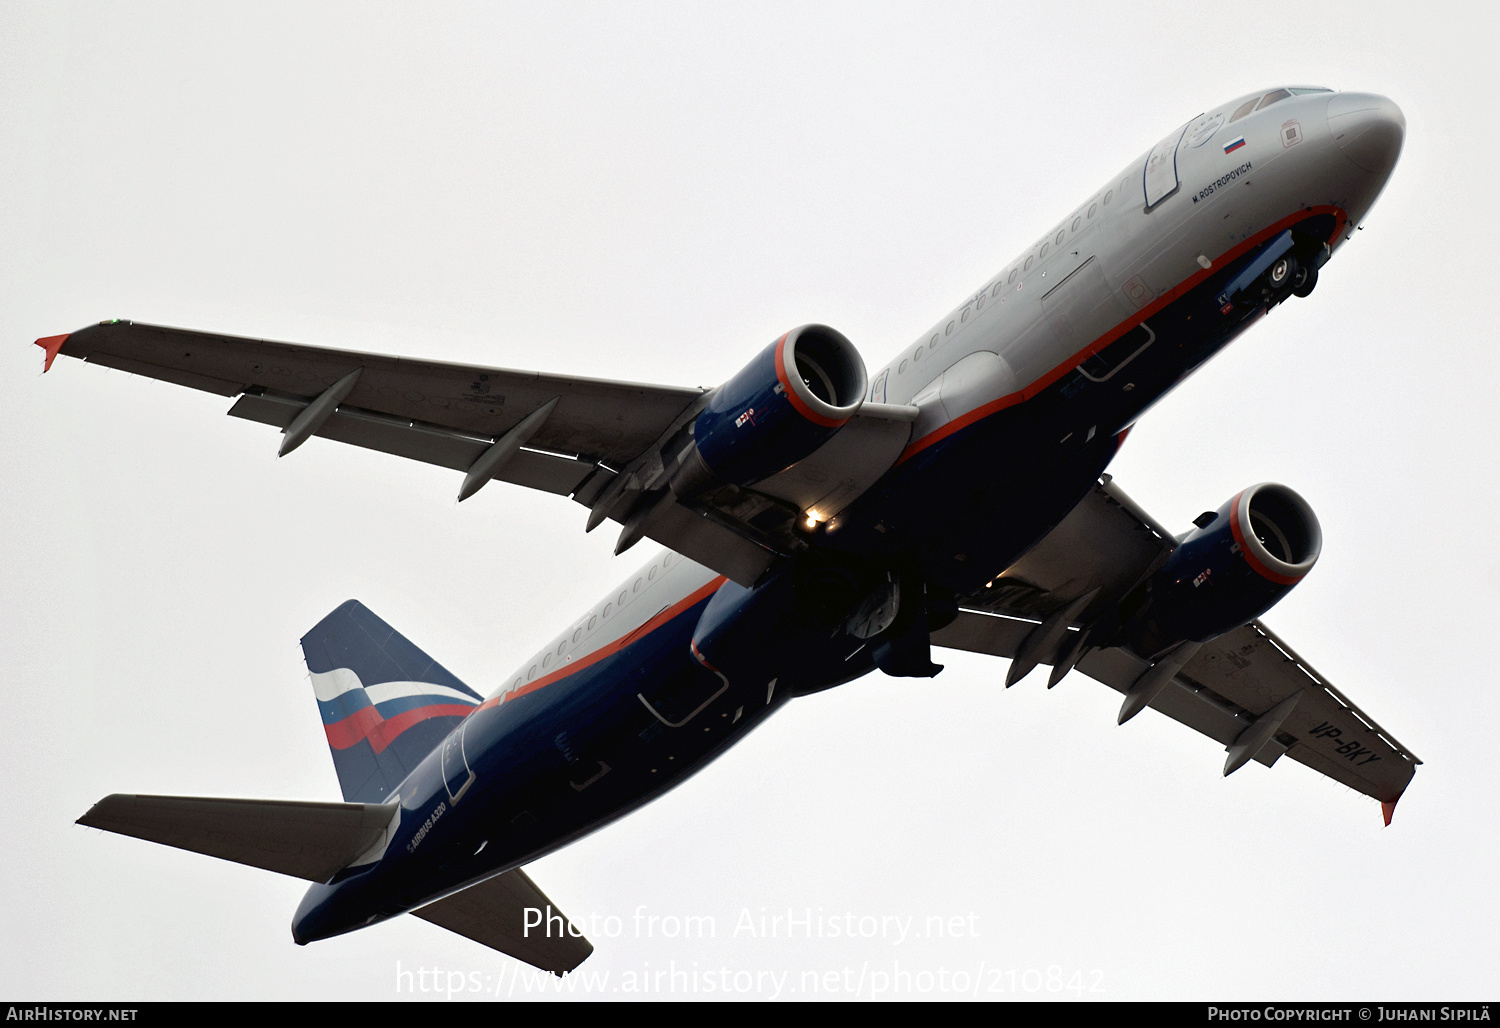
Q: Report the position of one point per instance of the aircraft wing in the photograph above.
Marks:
(609, 445)
(445, 414)
(1105, 547)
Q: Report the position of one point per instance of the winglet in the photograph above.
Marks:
(1388, 807)
(51, 344)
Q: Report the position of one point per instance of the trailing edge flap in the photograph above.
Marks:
(1220, 692)
(449, 415)
(305, 840)
(494, 914)
(455, 415)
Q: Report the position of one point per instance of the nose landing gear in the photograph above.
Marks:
(1272, 287)
(1294, 272)
(1289, 275)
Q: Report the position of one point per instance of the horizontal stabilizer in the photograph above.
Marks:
(510, 914)
(305, 840)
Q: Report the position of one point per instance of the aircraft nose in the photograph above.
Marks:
(1368, 128)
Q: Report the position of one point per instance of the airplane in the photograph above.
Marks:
(820, 523)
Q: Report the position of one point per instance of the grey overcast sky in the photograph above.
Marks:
(652, 192)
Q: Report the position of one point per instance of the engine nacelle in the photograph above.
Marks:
(1228, 571)
(782, 406)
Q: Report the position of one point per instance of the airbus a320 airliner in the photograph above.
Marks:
(820, 523)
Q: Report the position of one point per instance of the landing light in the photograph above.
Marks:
(813, 517)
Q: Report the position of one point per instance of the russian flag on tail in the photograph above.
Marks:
(384, 703)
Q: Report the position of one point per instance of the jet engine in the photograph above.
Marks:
(784, 404)
(1233, 567)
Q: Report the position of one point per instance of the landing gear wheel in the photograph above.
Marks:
(1304, 281)
(1280, 272)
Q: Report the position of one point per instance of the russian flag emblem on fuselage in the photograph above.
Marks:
(1234, 144)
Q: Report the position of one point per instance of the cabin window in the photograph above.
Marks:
(1076, 222)
(1012, 277)
(578, 634)
(1108, 197)
(1043, 254)
(1027, 265)
(949, 330)
(965, 315)
(918, 355)
(1092, 208)
(1059, 238)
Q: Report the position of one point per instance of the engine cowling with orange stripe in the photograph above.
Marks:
(788, 401)
(1233, 567)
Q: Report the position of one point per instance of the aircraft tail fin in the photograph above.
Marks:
(305, 840)
(510, 914)
(384, 703)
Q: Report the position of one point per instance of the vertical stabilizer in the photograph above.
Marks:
(384, 703)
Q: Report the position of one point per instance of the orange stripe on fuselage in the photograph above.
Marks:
(611, 648)
(1149, 311)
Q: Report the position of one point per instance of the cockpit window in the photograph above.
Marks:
(1275, 96)
(1313, 89)
(1245, 108)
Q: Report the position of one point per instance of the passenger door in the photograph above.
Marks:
(1161, 169)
